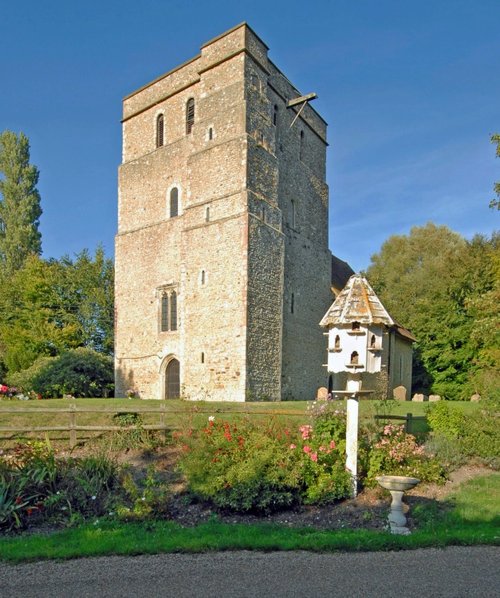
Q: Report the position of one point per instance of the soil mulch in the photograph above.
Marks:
(368, 510)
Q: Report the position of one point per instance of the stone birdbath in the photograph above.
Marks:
(397, 486)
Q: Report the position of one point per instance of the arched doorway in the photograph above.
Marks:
(172, 380)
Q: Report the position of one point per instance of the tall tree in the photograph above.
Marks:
(20, 209)
(426, 280)
(90, 291)
(495, 203)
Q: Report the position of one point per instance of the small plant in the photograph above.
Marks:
(133, 435)
(146, 500)
(36, 486)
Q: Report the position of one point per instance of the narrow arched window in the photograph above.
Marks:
(173, 311)
(174, 202)
(159, 130)
(189, 115)
(202, 357)
(164, 313)
(354, 358)
(210, 134)
(337, 342)
(292, 303)
(207, 214)
(373, 341)
(301, 150)
(275, 115)
(203, 277)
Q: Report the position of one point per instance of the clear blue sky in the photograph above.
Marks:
(411, 92)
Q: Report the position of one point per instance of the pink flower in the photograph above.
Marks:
(332, 444)
(307, 449)
(292, 446)
(314, 456)
(306, 431)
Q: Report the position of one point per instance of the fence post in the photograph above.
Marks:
(162, 420)
(408, 423)
(72, 426)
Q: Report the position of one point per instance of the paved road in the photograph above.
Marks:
(455, 571)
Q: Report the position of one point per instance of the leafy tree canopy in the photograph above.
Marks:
(51, 306)
(431, 281)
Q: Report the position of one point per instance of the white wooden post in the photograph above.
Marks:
(353, 387)
(352, 441)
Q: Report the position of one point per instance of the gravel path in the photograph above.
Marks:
(451, 572)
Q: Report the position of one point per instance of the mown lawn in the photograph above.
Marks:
(470, 516)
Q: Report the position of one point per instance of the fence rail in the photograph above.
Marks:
(73, 428)
(162, 411)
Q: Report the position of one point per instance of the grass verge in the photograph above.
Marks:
(469, 517)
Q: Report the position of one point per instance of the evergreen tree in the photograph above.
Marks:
(20, 209)
(495, 203)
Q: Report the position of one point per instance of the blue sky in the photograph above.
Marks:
(411, 92)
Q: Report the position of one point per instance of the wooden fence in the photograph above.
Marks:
(73, 427)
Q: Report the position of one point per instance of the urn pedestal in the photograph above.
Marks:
(397, 486)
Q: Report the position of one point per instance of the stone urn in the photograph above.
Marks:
(397, 486)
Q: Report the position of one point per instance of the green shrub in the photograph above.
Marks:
(446, 450)
(476, 435)
(24, 378)
(79, 372)
(448, 422)
(245, 466)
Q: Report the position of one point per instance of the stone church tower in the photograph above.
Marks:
(222, 260)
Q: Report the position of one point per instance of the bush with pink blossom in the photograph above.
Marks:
(395, 452)
(245, 466)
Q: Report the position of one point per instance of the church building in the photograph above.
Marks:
(223, 271)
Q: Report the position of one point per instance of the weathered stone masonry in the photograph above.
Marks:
(247, 255)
